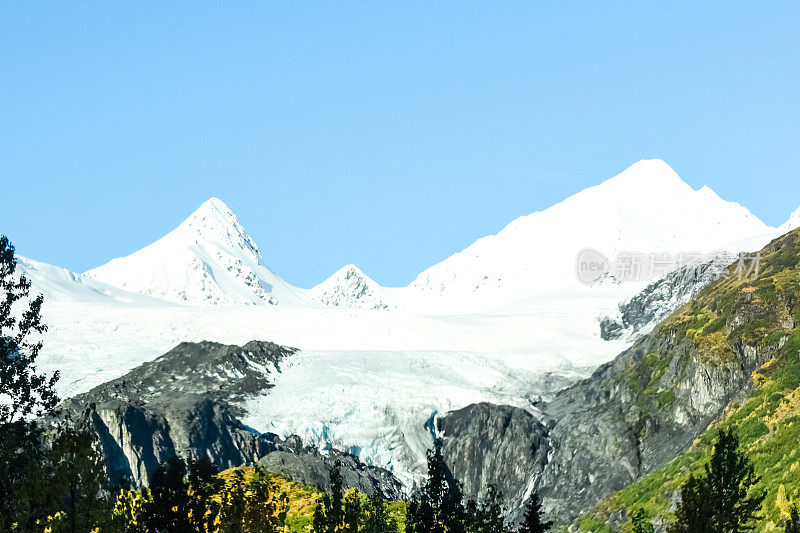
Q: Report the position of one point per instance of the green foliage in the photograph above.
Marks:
(640, 522)
(27, 393)
(78, 476)
(532, 518)
(722, 498)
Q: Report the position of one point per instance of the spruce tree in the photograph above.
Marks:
(722, 499)
(27, 394)
(352, 512)
(490, 513)
(204, 483)
(169, 506)
(640, 522)
(377, 519)
(234, 505)
(265, 510)
(793, 524)
(532, 518)
(438, 506)
(329, 513)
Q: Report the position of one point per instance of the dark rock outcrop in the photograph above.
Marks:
(294, 461)
(187, 402)
(494, 444)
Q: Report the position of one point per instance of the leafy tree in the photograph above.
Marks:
(640, 522)
(376, 516)
(720, 500)
(79, 477)
(204, 484)
(169, 505)
(329, 513)
(532, 518)
(127, 515)
(25, 394)
(265, 511)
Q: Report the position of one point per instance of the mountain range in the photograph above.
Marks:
(375, 371)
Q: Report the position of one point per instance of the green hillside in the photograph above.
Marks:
(731, 318)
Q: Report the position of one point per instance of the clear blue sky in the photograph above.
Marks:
(386, 134)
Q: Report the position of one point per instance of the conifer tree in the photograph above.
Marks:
(722, 498)
(793, 523)
(352, 512)
(640, 522)
(438, 507)
(169, 504)
(377, 519)
(532, 518)
(329, 513)
(265, 510)
(234, 505)
(204, 483)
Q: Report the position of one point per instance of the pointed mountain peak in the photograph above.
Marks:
(214, 221)
(350, 287)
(792, 223)
(650, 173)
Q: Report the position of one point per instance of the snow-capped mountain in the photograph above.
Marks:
(792, 223)
(59, 284)
(208, 259)
(349, 287)
(645, 209)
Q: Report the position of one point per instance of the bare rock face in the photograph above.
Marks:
(499, 445)
(308, 465)
(187, 402)
(183, 402)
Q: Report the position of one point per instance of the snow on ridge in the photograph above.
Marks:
(209, 259)
(647, 208)
(349, 287)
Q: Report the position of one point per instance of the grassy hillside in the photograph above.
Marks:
(731, 318)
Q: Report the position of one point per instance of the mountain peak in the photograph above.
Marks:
(350, 287)
(792, 223)
(208, 259)
(648, 173)
(214, 221)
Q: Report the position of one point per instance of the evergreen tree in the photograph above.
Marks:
(720, 499)
(640, 522)
(489, 518)
(79, 478)
(376, 516)
(352, 512)
(169, 505)
(234, 505)
(265, 511)
(329, 513)
(532, 518)
(793, 524)
(204, 483)
(27, 395)
(438, 507)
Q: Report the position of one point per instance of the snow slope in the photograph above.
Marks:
(61, 285)
(647, 208)
(208, 259)
(504, 321)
